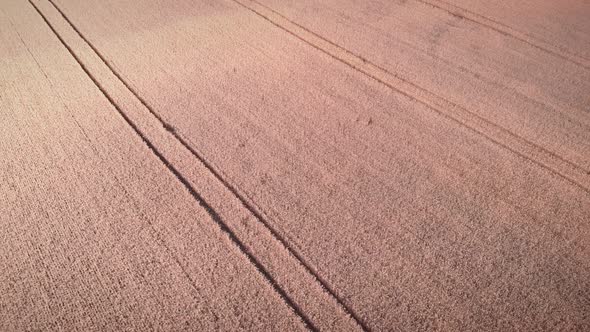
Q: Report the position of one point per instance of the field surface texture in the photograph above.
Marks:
(337, 165)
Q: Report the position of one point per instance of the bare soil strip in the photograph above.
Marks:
(98, 234)
(538, 97)
(272, 252)
(414, 221)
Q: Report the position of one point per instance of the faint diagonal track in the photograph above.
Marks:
(567, 170)
(506, 30)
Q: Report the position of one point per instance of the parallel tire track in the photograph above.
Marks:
(234, 190)
(198, 198)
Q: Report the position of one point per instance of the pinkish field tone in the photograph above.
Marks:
(294, 165)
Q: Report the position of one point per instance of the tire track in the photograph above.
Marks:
(559, 166)
(198, 198)
(507, 31)
(244, 200)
